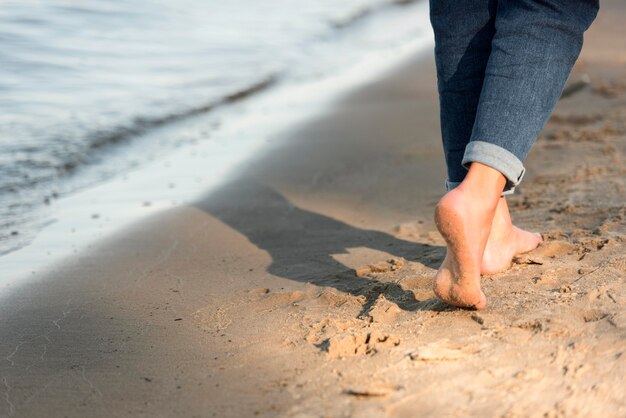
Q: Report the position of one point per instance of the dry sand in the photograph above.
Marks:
(302, 288)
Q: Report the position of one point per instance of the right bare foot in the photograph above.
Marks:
(464, 218)
(505, 241)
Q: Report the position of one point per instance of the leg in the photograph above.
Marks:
(533, 50)
(463, 34)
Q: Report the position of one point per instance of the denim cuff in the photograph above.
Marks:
(496, 157)
(452, 184)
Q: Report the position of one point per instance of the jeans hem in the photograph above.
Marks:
(495, 157)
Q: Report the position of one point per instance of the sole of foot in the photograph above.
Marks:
(465, 228)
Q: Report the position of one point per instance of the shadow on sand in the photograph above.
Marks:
(302, 243)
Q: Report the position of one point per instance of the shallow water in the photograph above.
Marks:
(81, 81)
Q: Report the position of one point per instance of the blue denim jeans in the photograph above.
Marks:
(501, 67)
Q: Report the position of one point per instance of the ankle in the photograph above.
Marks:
(483, 185)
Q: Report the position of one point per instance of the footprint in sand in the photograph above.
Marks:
(360, 343)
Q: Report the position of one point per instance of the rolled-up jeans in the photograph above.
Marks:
(501, 67)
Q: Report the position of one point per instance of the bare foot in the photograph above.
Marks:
(464, 217)
(505, 241)
(458, 280)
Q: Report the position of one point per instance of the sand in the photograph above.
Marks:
(302, 288)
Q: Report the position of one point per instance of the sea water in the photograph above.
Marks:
(82, 82)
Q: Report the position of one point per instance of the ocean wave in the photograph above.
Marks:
(81, 83)
(360, 14)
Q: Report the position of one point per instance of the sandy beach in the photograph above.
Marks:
(302, 287)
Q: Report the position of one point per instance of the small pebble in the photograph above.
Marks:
(478, 319)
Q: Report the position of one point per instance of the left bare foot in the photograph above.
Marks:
(505, 241)
(464, 217)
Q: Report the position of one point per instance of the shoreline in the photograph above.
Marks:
(140, 142)
(90, 215)
(302, 286)
(113, 125)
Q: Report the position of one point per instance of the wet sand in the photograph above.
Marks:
(303, 286)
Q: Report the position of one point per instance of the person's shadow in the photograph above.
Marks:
(301, 243)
